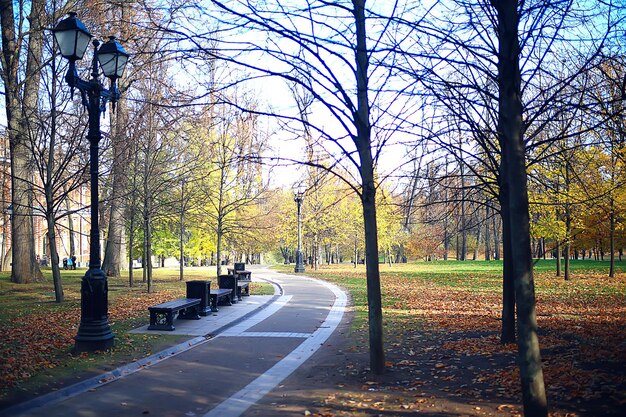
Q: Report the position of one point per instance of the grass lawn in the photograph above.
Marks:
(37, 333)
(453, 308)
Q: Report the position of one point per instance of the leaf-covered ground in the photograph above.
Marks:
(443, 352)
(441, 333)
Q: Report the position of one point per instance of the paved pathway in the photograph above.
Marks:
(223, 375)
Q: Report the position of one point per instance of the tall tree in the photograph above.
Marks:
(233, 176)
(21, 104)
(511, 138)
(60, 164)
(113, 251)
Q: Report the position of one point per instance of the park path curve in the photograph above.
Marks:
(226, 375)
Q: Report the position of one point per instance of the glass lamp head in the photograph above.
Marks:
(72, 37)
(298, 192)
(112, 58)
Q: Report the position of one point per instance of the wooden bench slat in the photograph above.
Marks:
(220, 291)
(177, 304)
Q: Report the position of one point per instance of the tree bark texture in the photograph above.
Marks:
(54, 258)
(114, 249)
(507, 334)
(497, 233)
(181, 267)
(487, 234)
(70, 226)
(568, 223)
(113, 252)
(219, 248)
(558, 258)
(511, 130)
(463, 221)
(568, 246)
(612, 238)
(368, 194)
(18, 109)
(147, 247)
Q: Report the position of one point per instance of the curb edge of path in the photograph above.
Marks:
(128, 369)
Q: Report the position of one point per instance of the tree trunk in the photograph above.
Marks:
(132, 218)
(558, 258)
(4, 254)
(181, 267)
(114, 249)
(612, 238)
(487, 235)
(446, 234)
(368, 193)
(507, 334)
(511, 132)
(316, 251)
(24, 262)
(113, 253)
(49, 199)
(131, 239)
(496, 238)
(374, 297)
(70, 227)
(147, 251)
(475, 256)
(219, 247)
(568, 222)
(463, 255)
(567, 248)
(54, 257)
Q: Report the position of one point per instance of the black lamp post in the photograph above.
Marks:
(94, 332)
(298, 197)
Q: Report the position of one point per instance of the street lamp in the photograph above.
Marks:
(298, 196)
(94, 332)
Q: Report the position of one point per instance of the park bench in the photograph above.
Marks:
(218, 294)
(243, 288)
(231, 283)
(162, 315)
(209, 297)
(244, 278)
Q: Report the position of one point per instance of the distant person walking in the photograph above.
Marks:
(73, 257)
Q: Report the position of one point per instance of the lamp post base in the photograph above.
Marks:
(299, 263)
(83, 344)
(94, 332)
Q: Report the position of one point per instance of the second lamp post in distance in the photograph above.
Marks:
(298, 197)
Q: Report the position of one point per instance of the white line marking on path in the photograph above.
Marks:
(237, 404)
(274, 334)
(257, 318)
